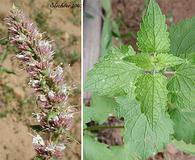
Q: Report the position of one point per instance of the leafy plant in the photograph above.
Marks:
(153, 90)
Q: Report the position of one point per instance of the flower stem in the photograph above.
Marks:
(169, 74)
(101, 127)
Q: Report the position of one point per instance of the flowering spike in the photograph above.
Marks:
(36, 54)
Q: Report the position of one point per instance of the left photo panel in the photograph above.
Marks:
(40, 80)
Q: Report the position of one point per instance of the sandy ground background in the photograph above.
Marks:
(16, 100)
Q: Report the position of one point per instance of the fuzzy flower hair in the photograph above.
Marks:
(46, 79)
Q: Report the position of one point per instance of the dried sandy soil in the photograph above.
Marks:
(16, 100)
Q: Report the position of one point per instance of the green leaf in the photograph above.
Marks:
(116, 29)
(89, 114)
(151, 92)
(167, 60)
(107, 6)
(183, 125)
(182, 39)
(51, 115)
(94, 150)
(37, 128)
(102, 107)
(3, 55)
(106, 36)
(5, 70)
(153, 35)
(121, 151)
(118, 53)
(140, 139)
(39, 158)
(181, 87)
(158, 62)
(3, 114)
(141, 60)
(112, 74)
(4, 41)
(181, 145)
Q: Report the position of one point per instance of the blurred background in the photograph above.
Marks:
(63, 25)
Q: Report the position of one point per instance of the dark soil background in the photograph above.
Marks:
(131, 12)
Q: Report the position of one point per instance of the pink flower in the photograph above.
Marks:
(57, 75)
(47, 81)
(60, 120)
(37, 55)
(46, 148)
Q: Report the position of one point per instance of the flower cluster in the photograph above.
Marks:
(47, 149)
(36, 54)
(56, 120)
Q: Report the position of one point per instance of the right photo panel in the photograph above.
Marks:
(139, 80)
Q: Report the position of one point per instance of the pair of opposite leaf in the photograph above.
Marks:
(121, 68)
(144, 92)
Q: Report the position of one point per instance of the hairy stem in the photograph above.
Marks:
(100, 127)
(169, 74)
